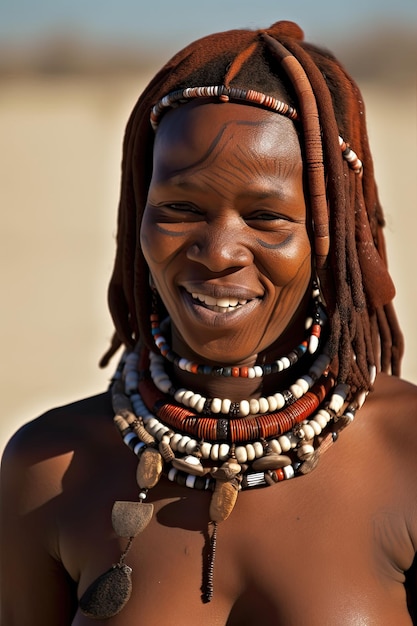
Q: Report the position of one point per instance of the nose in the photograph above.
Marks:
(221, 245)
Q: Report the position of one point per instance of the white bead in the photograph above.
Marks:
(258, 371)
(285, 362)
(251, 372)
(288, 471)
(152, 429)
(163, 432)
(191, 446)
(322, 418)
(182, 443)
(178, 395)
(296, 390)
(200, 404)
(159, 430)
(272, 403)
(172, 473)
(275, 447)
(336, 402)
(313, 344)
(226, 405)
(284, 442)
(315, 426)
(187, 397)
(280, 400)
(280, 365)
(338, 397)
(224, 450)
(190, 481)
(253, 406)
(191, 460)
(175, 440)
(244, 408)
(196, 397)
(241, 454)
(259, 449)
(250, 450)
(182, 364)
(308, 431)
(305, 451)
(307, 382)
(205, 449)
(216, 405)
(153, 422)
(214, 454)
(263, 405)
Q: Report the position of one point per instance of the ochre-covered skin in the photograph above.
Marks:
(327, 548)
(226, 217)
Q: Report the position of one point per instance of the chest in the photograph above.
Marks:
(297, 552)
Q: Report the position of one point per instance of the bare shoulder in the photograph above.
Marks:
(391, 417)
(39, 483)
(394, 403)
(389, 426)
(37, 457)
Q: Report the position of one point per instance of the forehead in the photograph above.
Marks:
(195, 129)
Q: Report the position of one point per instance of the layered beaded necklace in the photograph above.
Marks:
(215, 444)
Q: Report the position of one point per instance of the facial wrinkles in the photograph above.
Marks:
(246, 164)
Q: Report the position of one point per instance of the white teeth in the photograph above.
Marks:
(222, 303)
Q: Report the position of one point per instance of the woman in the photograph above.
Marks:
(251, 295)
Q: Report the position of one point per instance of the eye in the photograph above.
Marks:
(182, 207)
(266, 217)
(176, 212)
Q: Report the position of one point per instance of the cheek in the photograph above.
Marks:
(156, 246)
(289, 263)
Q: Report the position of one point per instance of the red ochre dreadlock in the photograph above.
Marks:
(346, 216)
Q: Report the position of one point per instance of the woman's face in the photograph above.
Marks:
(224, 230)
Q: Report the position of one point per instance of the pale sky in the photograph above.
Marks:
(173, 23)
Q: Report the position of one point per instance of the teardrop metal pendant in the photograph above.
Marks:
(108, 594)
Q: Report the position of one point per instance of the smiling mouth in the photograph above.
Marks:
(219, 305)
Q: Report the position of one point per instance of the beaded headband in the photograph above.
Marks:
(225, 94)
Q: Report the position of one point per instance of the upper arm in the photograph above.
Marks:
(36, 589)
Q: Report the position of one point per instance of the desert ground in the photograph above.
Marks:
(60, 170)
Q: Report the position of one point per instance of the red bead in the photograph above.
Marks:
(316, 329)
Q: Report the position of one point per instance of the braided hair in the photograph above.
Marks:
(346, 215)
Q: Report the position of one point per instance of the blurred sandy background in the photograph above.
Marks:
(61, 127)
